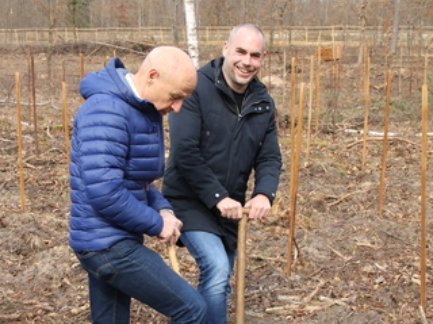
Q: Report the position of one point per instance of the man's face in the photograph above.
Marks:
(243, 57)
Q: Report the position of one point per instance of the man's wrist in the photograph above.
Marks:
(167, 210)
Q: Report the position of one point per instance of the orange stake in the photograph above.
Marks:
(294, 179)
(366, 105)
(381, 193)
(173, 258)
(423, 232)
(240, 271)
(318, 90)
(20, 141)
(310, 106)
(292, 98)
(66, 119)
(81, 66)
(33, 100)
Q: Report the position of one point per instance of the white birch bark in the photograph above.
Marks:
(191, 31)
(395, 27)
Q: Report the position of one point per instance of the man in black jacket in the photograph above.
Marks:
(224, 132)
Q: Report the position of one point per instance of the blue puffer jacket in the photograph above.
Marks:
(117, 151)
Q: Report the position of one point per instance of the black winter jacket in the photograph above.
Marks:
(215, 146)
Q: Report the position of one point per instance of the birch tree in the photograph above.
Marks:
(395, 26)
(191, 31)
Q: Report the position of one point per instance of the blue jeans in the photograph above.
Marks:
(216, 265)
(129, 269)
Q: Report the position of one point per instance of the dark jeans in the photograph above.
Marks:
(129, 269)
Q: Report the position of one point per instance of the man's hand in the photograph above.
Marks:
(171, 227)
(259, 207)
(230, 208)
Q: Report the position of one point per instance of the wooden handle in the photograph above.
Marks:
(241, 265)
(173, 259)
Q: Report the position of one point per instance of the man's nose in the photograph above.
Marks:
(177, 105)
(246, 59)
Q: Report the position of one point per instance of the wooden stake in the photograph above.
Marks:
(426, 69)
(81, 66)
(173, 259)
(20, 141)
(400, 71)
(240, 269)
(270, 70)
(63, 71)
(424, 197)
(310, 106)
(366, 105)
(284, 76)
(318, 90)
(381, 193)
(294, 172)
(292, 99)
(66, 119)
(33, 100)
(334, 72)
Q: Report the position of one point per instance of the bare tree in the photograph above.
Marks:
(191, 28)
(395, 27)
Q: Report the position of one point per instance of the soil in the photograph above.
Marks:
(350, 262)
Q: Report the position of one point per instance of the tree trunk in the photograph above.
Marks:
(191, 29)
(395, 28)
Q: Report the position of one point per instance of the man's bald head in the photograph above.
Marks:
(166, 76)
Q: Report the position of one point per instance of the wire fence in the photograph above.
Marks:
(351, 36)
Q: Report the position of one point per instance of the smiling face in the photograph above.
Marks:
(243, 56)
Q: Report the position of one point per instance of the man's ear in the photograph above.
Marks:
(153, 74)
(225, 48)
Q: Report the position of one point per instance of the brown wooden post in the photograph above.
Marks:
(292, 100)
(424, 196)
(240, 269)
(294, 172)
(381, 191)
(366, 74)
(33, 100)
(20, 142)
(310, 106)
(66, 119)
(81, 66)
(318, 90)
(173, 258)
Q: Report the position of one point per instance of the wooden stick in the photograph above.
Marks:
(270, 68)
(366, 105)
(66, 119)
(240, 272)
(173, 259)
(310, 106)
(318, 90)
(33, 100)
(292, 98)
(284, 76)
(81, 66)
(294, 180)
(20, 141)
(381, 191)
(63, 71)
(424, 197)
(400, 71)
